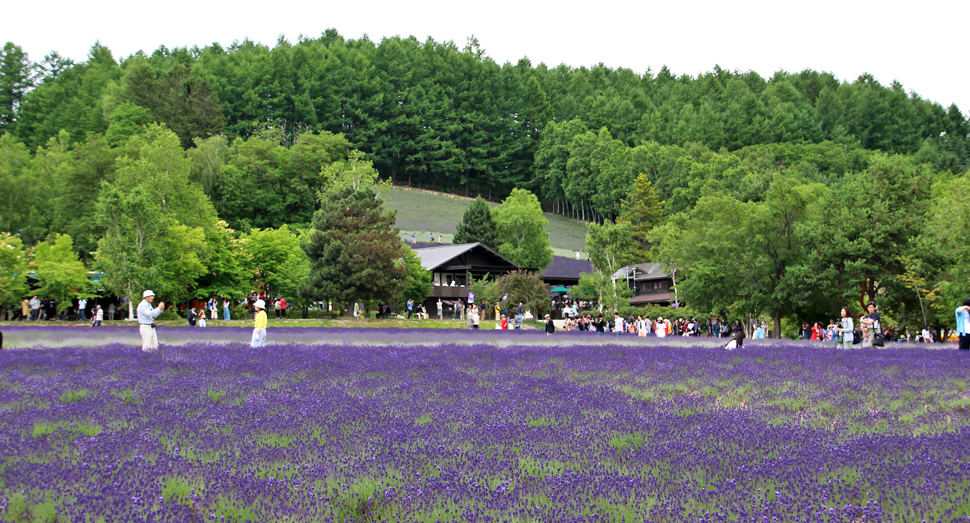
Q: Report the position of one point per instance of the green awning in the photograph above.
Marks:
(560, 289)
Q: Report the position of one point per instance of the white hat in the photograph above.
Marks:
(147, 294)
(260, 304)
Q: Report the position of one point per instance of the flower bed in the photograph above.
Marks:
(423, 429)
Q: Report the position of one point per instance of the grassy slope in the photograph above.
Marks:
(423, 212)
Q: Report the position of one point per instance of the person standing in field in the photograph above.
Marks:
(759, 333)
(259, 325)
(441, 310)
(410, 307)
(34, 308)
(963, 324)
(146, 321)
(283, 306)
(845, 330)
(82, 307)
(225, 309)
(870, 325)
(24, 309)
(97, 317)
(550, 326)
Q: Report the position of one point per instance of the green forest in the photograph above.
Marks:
(782, 196)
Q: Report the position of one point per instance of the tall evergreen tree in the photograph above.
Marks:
(477, 225)
(16, 78)
(354, 250)
(643, 211)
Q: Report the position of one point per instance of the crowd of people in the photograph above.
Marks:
(864, 330)
(869, 333)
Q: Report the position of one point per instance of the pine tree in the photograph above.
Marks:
(354, 250)
(477, 225)
(643, 210)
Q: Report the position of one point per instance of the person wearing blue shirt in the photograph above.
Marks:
(963, 324)
(759, 333)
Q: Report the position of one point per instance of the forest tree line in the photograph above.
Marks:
(731, 155)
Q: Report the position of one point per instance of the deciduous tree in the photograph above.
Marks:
(523, 238)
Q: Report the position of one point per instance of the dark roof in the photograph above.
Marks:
(434, 257)
(566, 267)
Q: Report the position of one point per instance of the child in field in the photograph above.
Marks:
(259, 326)
(201, 317)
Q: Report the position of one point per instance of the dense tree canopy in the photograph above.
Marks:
(784, 195)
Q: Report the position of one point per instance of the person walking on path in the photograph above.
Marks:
(410, 308)
(82, 306)
(283, 306)
(259, 325)
(963, 324)
(845, 330)
(146, 321)
(225, 309)
(213, 309)
(97, 317)
(550, 326)
(25, 310)
(441, 310)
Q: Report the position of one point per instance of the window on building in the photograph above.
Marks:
(658, 285)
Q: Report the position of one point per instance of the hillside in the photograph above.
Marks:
(423, 212)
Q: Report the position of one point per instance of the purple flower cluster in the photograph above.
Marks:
(477, 432)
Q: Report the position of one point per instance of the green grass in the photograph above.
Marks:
(424, 212)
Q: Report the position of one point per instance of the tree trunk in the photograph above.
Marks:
(776, 324)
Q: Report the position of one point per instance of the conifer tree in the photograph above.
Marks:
(477, 225)
(354, 250)
(643, 210)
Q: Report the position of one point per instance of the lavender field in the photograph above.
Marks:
(372, 425)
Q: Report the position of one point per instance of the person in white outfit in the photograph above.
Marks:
(146, 321)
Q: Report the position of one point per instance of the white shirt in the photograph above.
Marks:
(146, 314)
(99, 316)
(82, 304)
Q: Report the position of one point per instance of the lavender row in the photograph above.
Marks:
(474, 432)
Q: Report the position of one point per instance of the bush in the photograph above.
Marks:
(169, 314)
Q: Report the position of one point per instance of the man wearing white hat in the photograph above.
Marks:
(146, 321)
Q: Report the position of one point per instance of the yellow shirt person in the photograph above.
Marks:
(259, 326)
